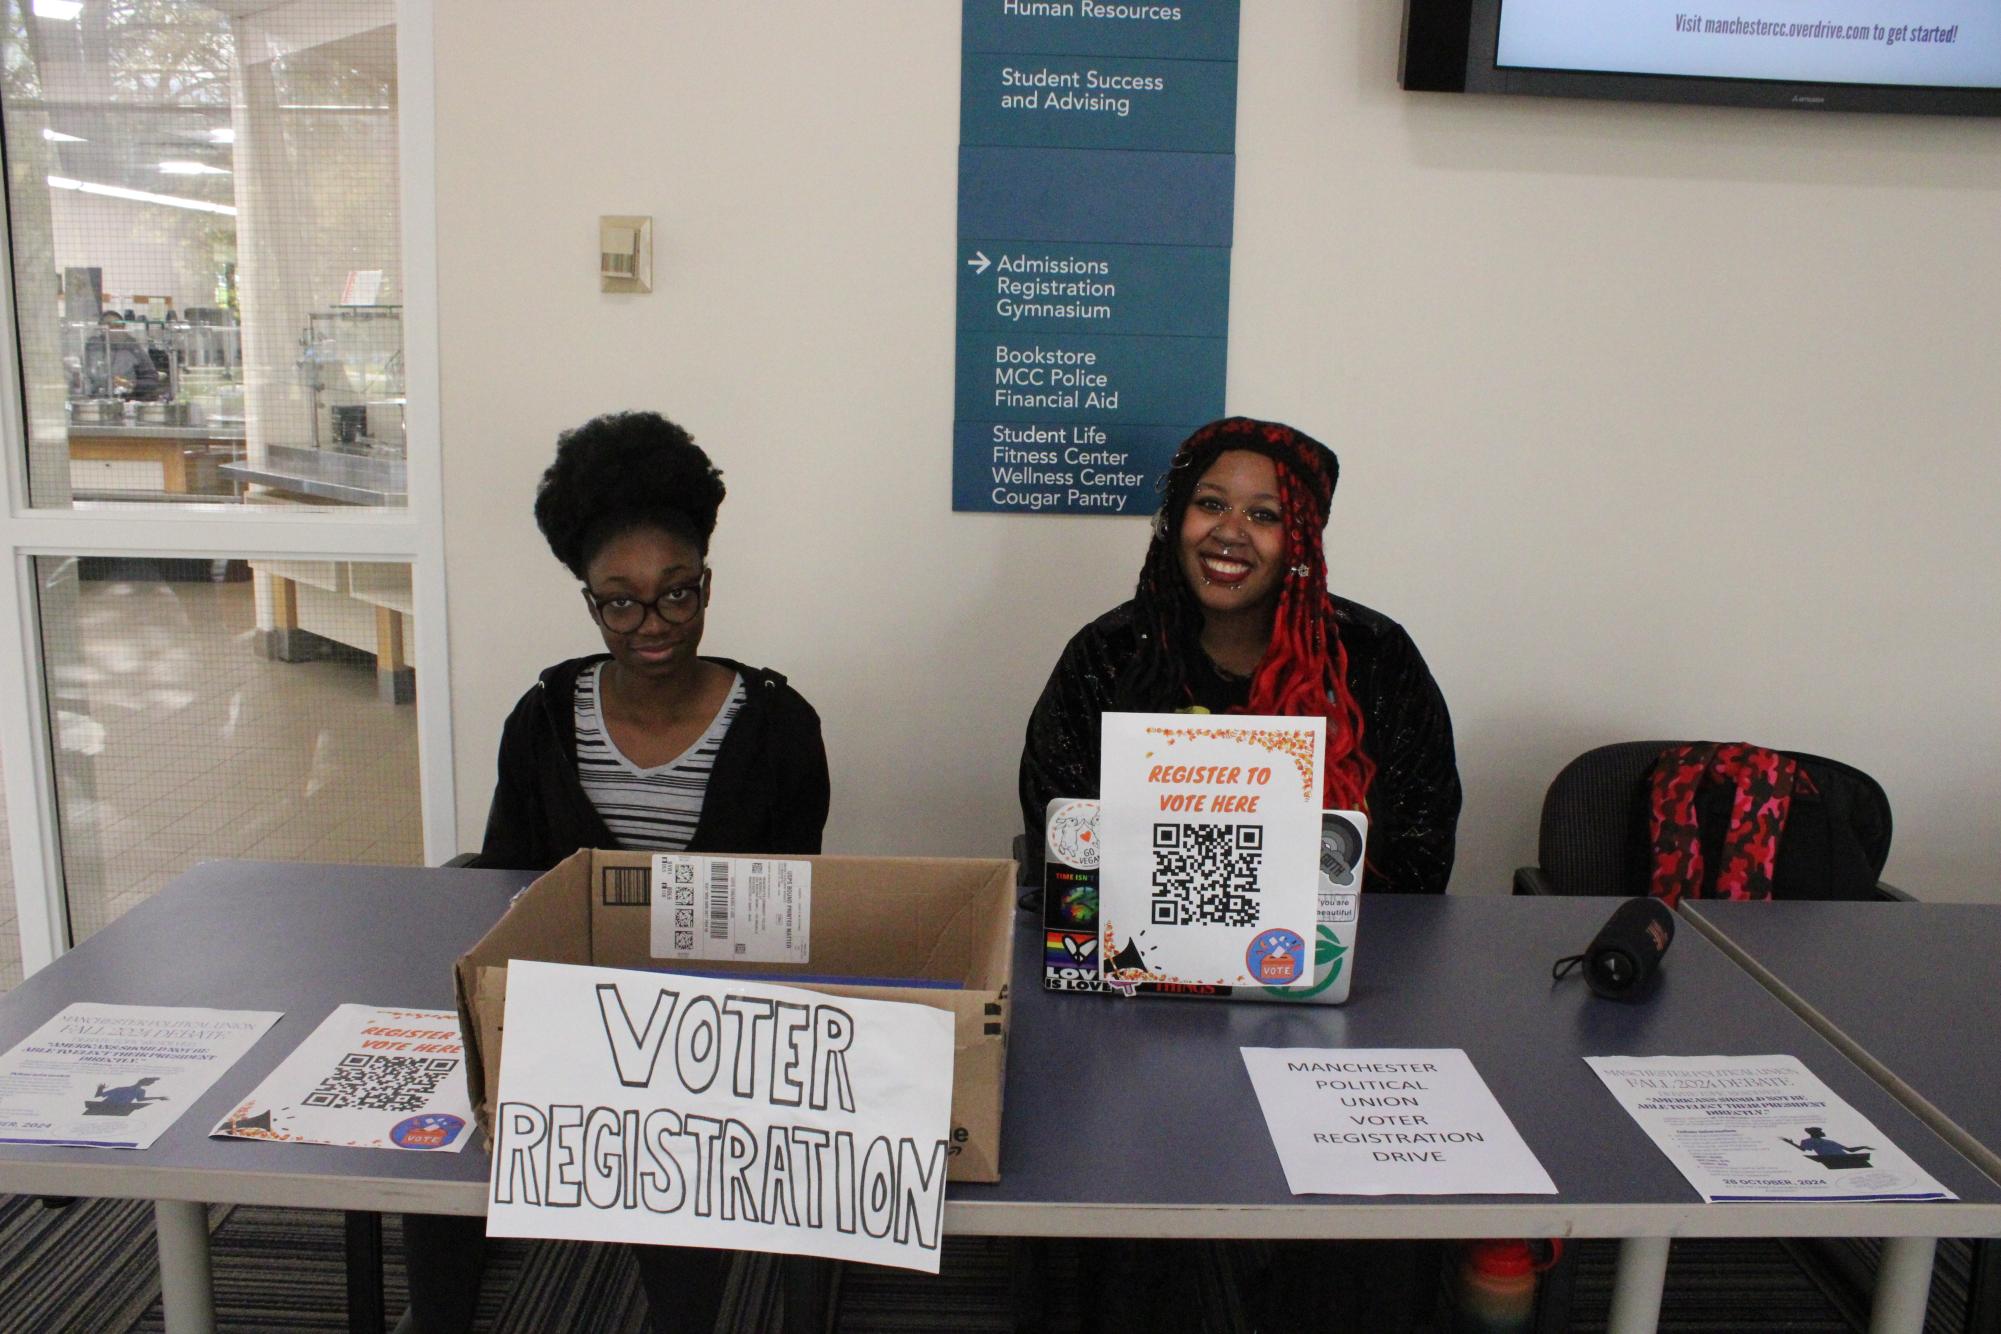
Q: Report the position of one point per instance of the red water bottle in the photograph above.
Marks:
(1495, 1291)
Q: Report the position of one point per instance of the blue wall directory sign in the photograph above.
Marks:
(1097, 189)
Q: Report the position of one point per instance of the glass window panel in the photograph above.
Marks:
(10, 923)
(208, 273)
(225, 708)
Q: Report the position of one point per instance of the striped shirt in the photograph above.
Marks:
(654, 809)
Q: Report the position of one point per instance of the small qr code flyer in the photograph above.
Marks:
(1210, 831)
(366, 1078)
(745, 909)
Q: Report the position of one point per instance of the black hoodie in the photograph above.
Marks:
(767, 793)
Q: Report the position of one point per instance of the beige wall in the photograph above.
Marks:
(1655, 420)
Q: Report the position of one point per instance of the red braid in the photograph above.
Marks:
(1305, 668)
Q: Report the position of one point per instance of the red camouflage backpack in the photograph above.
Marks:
(1737, 821)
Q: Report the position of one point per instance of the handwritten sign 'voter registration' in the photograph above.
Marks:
(1211, 848)
(687, 1111)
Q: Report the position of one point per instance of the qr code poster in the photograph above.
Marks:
(368, 1078)
(1210, 834)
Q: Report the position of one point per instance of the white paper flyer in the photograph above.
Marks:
(368, 1078)
(1761, 1128)
(678, 1110)
(1389, 1121)
(116, 1076)
(1211, 848)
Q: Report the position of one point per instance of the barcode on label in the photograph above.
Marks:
(719, 900)
(625, 887)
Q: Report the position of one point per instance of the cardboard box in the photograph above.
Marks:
(931, 919)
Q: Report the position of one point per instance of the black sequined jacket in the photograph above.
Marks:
(1406, 730)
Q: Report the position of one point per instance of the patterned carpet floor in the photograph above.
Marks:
(90, 1268)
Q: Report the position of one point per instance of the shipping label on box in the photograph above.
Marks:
(753, 909)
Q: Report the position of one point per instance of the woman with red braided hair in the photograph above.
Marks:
(1232, 614)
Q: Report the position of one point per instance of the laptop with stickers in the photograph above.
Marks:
(1076, 957)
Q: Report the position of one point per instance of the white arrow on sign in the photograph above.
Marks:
(979, 261)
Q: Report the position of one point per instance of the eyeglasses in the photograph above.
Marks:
(622, 613)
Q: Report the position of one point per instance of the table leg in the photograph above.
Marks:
(808, 1284)
(1028, 1289)
(1637, 1285)
(187, 1294)
(282, 642)
(1983, 1298)
(395, 679)
(364, 1273)
(1903, 1286)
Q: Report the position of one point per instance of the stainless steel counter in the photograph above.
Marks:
(193, 434)
(348, 479)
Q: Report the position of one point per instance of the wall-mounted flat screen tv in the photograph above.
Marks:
(1937, 56)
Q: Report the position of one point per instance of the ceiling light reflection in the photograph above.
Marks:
(139, 196)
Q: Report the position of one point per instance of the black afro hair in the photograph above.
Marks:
(622, 471)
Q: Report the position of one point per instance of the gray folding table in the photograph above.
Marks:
(1136, 1117)
(1908, 991)
(296, 938)
(1128, 1118)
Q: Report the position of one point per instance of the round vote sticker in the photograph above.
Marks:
(1275, 957)
(1073, 834)
(432, 1130)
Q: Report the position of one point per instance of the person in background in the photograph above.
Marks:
(648, 745)
(1232, 615)
(127, 367)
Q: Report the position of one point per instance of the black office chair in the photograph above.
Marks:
(1593, 838)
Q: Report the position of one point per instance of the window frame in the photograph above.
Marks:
(411, 534)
